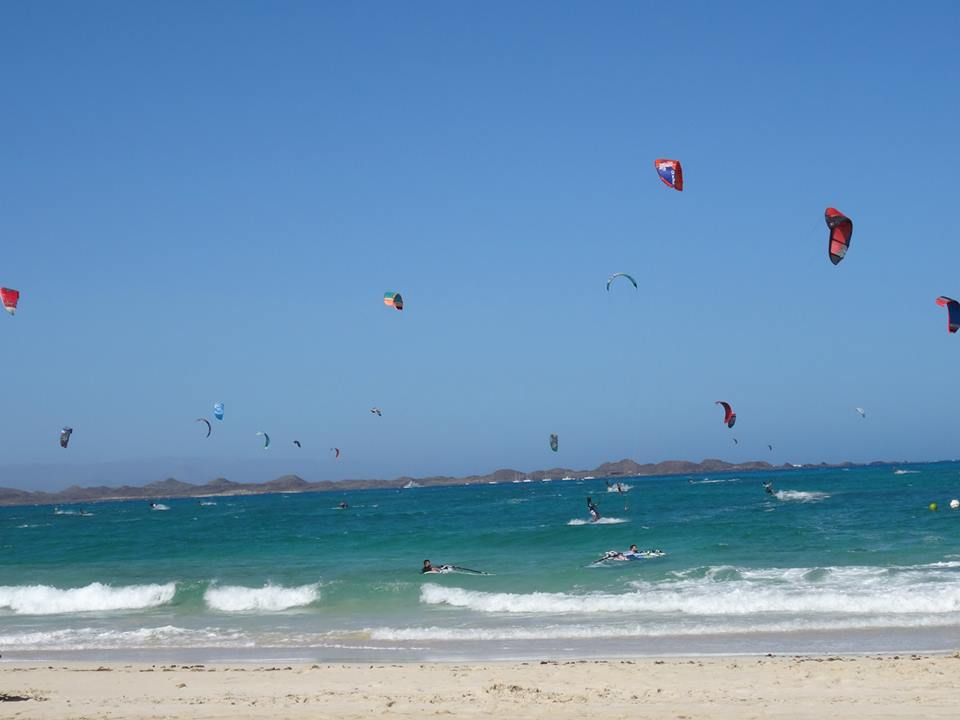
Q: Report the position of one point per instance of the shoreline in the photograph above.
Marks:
(429, 645)
(887, 686)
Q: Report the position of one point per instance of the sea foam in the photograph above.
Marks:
(601, 521)
(86, 638)
(269, 598)
(732, 592)
(800, 495)
(581, 631)
(95, 597)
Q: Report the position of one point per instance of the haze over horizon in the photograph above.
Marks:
(188, 226)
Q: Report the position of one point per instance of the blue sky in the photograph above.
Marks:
(206, 201)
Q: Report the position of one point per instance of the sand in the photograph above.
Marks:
(904, 686)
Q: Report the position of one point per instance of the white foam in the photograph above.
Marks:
(800, 495)
(95, 597)
(708, 481)
(269, 598)
(601, 521)
(159, 506)
(576, 631)
(906, 472)
(88, 638)
(623, 488)
(736, 592)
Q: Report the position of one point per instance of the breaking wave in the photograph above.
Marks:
(269, 598)
(95, 597)
(729, 591)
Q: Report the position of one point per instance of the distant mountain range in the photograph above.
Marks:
(221, 487)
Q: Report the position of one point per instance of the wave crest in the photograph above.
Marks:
(737, 592)
(95, 597)
(269, 598)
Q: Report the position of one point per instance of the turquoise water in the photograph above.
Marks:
(835, 561)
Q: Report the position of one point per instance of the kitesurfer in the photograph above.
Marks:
(343, 505)
(628, 555)
(632, 554)
(768, 488)
(594, 513)
(428, 568)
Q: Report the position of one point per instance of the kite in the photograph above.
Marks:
(10, 299)
(620, 274)
(953, 312)
(729, 416)
(554, 442)
(209, 426)
(297, 443)
(376, 411)
(65, 434)
(266, 439)
(218, 410)
(670, 172)
(841, 230)
(393, 299)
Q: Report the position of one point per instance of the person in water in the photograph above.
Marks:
(594, 513)
(628, 555)
(428, 568)
(768, 488)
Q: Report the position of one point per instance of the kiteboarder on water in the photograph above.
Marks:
(594, 513)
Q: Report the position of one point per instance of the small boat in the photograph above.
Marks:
(567, 478)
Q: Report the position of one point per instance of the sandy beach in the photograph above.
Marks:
(901, 686)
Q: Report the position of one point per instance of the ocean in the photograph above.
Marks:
(850, 561)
